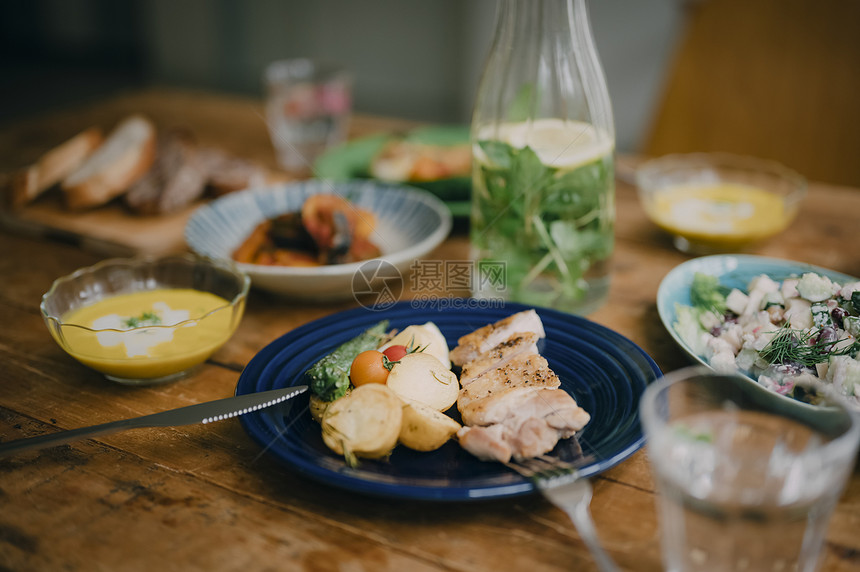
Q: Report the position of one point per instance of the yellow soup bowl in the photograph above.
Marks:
(146, 320)
(717, 202)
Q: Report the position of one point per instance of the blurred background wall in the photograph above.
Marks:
(416, 59)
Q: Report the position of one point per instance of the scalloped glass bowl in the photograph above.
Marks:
(718, 202)
(118, 276)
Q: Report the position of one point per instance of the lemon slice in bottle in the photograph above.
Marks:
(558, 143)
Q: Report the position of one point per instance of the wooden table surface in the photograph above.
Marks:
(206, 497)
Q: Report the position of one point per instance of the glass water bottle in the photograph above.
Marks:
(543, 139)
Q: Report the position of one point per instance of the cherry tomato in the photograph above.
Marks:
(368, 367)
(394, 353)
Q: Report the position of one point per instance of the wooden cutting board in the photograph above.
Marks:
(110, 230)
(235, 124)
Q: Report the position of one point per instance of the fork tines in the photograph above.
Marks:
(545, 471)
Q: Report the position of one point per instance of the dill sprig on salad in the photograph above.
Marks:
(788, 335)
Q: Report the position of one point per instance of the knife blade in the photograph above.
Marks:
(207, 412)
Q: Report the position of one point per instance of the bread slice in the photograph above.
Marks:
(176, 178)
(53, 167)
(126, 154)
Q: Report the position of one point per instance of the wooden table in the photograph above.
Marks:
(205, 497)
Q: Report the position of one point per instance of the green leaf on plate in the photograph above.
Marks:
(445, 135)
(351, 160)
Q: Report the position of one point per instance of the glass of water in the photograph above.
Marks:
(746, 479)
(308, 105)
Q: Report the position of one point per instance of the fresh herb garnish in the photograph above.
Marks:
(146, 319)
(442, 381)
(791, 346)
(707, 293)
(412, 348)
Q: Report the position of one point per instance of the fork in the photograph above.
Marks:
(561, 484)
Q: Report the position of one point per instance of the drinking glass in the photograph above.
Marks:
(308, 106)
(746, 479)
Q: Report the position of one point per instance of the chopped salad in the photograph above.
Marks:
(790, 335)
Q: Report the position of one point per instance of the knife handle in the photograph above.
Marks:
(62, 437)
(205, 412)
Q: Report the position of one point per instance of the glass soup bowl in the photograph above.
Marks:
(146, 320)
(718, 202)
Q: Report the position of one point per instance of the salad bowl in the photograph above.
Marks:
(733, 271)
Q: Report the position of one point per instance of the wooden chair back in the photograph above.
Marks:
(777, 79)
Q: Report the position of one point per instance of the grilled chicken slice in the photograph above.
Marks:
(510, 401)
(555, 406)
(520, 423)
(470, 346)
(500, 443)
(528, 370)
(533, 437)
(517, 345)
(486, 443)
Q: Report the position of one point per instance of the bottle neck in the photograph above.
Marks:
(543, 64)
(541, 24)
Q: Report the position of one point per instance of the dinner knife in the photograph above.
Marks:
(207, 412)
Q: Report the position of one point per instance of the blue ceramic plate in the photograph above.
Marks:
(409, 224)
(734, 271)
(605, 372)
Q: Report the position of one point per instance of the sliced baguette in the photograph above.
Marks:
(53, 167)
(126, 154)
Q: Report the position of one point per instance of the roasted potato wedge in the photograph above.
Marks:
(422, 378)
(317, 407)
(424, 428)
(365, 423)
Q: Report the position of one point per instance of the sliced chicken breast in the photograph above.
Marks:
(529, 370)
(470, 346)
(526, 423)
(486, 443)
(531, 438)
(515, 346)
(510, 401)
(503, 443)
(555, 406)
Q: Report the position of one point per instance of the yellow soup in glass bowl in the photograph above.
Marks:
(146, 320)
(717, 202)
